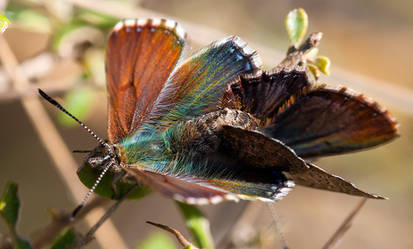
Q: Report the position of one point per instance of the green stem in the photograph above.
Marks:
(198, 225)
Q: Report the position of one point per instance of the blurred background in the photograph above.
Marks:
(59, 45)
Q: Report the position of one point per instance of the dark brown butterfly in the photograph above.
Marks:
(215, 127)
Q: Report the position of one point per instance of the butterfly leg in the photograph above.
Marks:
(118, 177)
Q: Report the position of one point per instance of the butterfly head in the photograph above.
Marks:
(105, 156)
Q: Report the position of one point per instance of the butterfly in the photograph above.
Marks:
(215, 126)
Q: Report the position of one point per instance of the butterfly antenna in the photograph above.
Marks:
(60, 107)
(91, 190)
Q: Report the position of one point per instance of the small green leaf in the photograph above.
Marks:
(9, 210)
(89, 175)
(10, 204)
(314, 71)
(323, 63)
(4, 23)
(66, 240)
(78, 101)
(197, 224)
(158, 240)
(296, 24)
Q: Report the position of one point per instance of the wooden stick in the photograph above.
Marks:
(182, 240)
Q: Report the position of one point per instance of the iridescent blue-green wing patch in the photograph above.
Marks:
(326, 121)
(198, 84)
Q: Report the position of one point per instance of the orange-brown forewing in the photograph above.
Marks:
(140, 56)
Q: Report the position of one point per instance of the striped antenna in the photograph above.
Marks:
(91, 190)
(60, 107)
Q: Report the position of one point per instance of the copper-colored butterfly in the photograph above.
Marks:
(216, 127)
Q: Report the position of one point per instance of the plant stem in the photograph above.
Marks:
(197, 224)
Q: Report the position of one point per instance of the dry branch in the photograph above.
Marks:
(182, 240)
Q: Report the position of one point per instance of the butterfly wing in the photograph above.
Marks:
(265, 95)
(313, 121)
(184, 189)
(327, 121)
(260, 151)
(193, 190)
(140, 56)
(316, 177)
(197, 85)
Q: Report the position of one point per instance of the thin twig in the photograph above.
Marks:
(54, 144)
(344, 227)
(182, 240)
(90, 235)
(278, 225)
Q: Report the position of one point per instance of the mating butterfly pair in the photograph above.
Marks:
(216, 127)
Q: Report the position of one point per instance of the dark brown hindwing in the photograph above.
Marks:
(265, 95)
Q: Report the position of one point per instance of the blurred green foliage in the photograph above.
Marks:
(78, 101)
(158, 240)
(67, 239)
